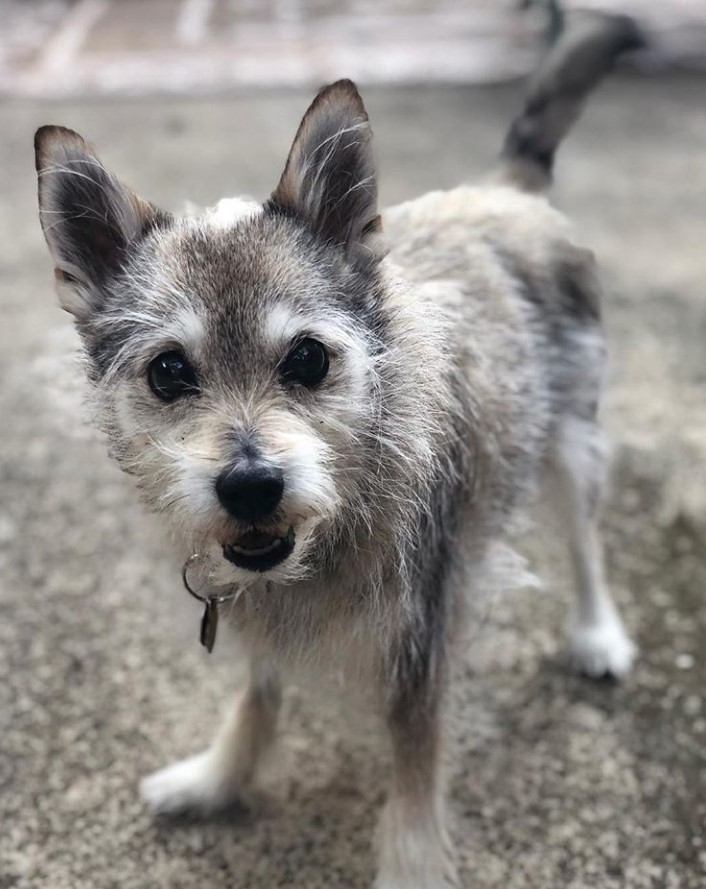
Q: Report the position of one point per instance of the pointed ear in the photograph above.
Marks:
(89, 219)
(329, 178)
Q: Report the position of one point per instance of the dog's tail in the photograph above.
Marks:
(577, 62)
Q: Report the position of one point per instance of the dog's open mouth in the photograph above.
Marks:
(257, 550)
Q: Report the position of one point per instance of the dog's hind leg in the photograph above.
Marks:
(599, 643)
(223, 774)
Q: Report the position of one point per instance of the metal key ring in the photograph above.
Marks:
(207, 600)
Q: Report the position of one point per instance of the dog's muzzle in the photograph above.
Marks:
(250, 491)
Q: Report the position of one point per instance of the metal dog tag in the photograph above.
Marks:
(209, 624)
(209, 620)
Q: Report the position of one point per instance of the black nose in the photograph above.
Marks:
(250, 492)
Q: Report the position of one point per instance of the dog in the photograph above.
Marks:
(343, 411)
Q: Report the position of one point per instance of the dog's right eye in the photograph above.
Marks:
(171, 376)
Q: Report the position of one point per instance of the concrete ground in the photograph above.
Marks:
(556, 783)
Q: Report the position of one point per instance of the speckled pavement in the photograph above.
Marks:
(556, 783)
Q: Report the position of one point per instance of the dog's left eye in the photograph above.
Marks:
(171, 376)
(307, 363)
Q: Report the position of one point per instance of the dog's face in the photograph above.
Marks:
(235, 355)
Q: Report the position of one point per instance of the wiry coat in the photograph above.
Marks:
(463, 353)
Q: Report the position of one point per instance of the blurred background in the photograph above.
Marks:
(75, 48)
(554, 781)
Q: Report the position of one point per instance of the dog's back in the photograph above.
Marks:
(524, 298)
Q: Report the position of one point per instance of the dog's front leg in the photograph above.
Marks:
(223, 774)
(415, 852)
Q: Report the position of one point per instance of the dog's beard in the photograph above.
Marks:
(284, 548)
(297, 557)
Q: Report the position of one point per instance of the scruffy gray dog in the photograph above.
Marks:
(342, 412)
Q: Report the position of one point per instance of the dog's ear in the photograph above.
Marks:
(329, 179)
(89, 219)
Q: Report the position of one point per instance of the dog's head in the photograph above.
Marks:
(235, 355)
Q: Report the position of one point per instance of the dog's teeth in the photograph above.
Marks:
(261, 551)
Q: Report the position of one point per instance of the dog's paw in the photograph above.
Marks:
(602, 649)
(414, 853)
(446, 880)
(192, 786)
